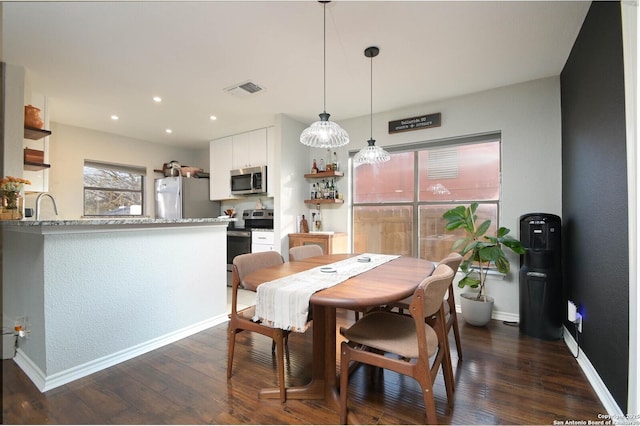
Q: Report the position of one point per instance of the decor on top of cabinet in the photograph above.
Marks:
(371, 154)
(32, 117)
(11, 198)
(324, 133)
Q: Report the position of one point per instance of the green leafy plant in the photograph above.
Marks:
(479, 250)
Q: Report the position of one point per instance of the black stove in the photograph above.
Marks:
(239, 239)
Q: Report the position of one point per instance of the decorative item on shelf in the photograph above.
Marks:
(314, 168)
(371, 154)
(12, 201)
(321, 165)
(324, 133)
(304, 226)
(32, 117)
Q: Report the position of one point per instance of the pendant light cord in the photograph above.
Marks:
(371, 104)
(324, 57)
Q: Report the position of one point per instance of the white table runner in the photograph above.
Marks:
(284, 303)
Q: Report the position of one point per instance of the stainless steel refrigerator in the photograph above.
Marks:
(183, 198)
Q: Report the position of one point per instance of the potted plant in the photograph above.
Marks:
(481, 252)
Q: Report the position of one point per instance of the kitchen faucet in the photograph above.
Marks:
(53, 200)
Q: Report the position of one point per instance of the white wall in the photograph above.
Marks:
(529, 117)
(289, 197)
(70, 146)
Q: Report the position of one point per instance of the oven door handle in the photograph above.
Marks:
(246, 234)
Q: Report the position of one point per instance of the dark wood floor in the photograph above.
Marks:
(505, 378)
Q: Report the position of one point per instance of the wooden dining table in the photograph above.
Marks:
(389, 282)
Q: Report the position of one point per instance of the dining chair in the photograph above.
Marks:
(409, 337)
(302, 252)
(453, 260)
(240, 320)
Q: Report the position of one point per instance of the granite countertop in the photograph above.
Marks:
(115, 221)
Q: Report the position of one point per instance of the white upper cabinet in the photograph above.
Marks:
(240, 151)
(220, 151)
(249, 149)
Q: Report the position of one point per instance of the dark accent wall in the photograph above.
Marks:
(594, 194)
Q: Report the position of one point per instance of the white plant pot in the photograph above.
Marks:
(476, 312)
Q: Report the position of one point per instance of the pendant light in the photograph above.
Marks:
(371, 154)
(324, 133)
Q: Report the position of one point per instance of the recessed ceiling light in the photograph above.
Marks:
(157, 99)
(114, 117)
(213, 117)
(169, 131)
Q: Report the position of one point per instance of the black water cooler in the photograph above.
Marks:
(541, 309)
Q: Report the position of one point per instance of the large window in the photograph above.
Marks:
(398, 205)
(113, 190)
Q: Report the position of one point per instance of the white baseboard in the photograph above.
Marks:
(594, 378)
(45, 383)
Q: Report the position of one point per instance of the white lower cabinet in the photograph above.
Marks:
(262, 241)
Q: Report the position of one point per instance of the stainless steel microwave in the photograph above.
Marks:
(250, 180)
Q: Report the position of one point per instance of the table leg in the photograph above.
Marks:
(323, 364)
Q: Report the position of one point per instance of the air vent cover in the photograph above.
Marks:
(245, 89)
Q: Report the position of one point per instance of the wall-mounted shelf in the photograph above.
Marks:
(324, 201)
(321, 175)
(34, 167)
(34, 133)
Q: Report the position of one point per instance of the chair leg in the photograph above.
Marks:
(232, 344)
(456, 334)
(278, 340)
(344, 380)
(429, 404)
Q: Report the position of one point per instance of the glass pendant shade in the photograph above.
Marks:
(371, 154)
(324, 134)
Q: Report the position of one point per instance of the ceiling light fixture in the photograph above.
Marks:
(168, 131)
(371, 154)
(324, 133)
(213, 117)
(114, 117)
(157, 99)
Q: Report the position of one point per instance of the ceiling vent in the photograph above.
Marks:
(245, 90)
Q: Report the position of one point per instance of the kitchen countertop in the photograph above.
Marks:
(105, 224)
(111, 221)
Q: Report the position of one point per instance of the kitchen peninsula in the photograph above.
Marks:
(99, 292)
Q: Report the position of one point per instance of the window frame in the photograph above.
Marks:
(416, 204)
(138, 170)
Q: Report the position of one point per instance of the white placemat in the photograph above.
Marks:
(284, 303)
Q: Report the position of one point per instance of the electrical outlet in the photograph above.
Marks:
(571, 311)
(21, 326)
(578, 321)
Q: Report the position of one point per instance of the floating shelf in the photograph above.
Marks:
(34, 133)
(321, 175)
(34, 167)
(324, 201)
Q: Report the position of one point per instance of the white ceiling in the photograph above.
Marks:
(93, 60)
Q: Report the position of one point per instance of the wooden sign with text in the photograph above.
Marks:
(415, 123)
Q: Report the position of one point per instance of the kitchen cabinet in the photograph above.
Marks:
(219, 165)
(249, 149)
(324, 175)
(331, 242)
(262, 241)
